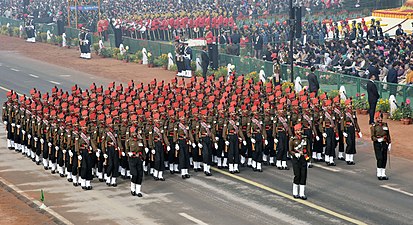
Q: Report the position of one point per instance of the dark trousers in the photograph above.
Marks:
(159, 156)
(136, 169)
(172, 159)
(380, 150)
(233, 150)
(269, 149)
(183, 155)
(372, 110)
(340, 139)
(351, 140)
(206, 150)
(86, 165)
(204, 70)
(113, 162)
(330, 139)
(257, 153)
(300, 170)
(282, 146)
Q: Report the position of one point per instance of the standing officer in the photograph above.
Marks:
(380, 135)
(350, 126)
(298, 151)
(135, 150)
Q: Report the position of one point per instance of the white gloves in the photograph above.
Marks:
(123, 154)
(176, 147)
(64, 151)
(105, 156)
(97, 154)
(324, 135)
(79, 157)
(29, 136)
(297, 155)
(226, 142)
(317, 138)
(49, 144)
(275, 140)
(13, 124)
(244, 142)
(216, 146)
(168, 148)
(380, 140)
(18, 126)
(153, 151)
(253, 140)
(389, 147)
(41, 140)
(70, 153)
(23, 132)
(266, 142)
(345, 134)
(216, 138)
(337, 138)
(130, 154)
(200, 145)
(360, 134)
(57, 148)
(193, 145)
(35, 139)
(5, 122)
(146, 150)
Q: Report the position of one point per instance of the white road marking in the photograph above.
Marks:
(32, 75)
(6, 89)
(326, 168)
(54, 82)
(65, 75)
(193, 219)
(397, 189)
(16, 70)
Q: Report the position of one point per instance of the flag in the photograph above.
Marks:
(41, 196)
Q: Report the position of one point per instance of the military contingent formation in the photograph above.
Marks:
(126, 131)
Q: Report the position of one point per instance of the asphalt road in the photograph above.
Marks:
(336, 195)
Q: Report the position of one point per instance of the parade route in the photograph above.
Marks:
(336, 195)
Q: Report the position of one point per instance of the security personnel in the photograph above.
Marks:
(299, 152)
(380, 135)
(350, 128)
(256, 131)
(135, 150)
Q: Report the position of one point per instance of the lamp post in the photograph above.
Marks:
(292, 23)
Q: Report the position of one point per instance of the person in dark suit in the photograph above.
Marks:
(374, 70)
(392, 78)
(373, 96)
(258, 44)
(204, 61)
(399, 30)
(313, 84)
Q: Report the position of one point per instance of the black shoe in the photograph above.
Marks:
(236, 171)
(341, 158)
(272, 164)
(219, 167)
(156, 178)
(114, 185)
(108, 184)
(133, 193)
(259, 170)
(34, 160)
(146, 172)
(53, 172)
(286, 168)
(75, 184)
(296, 196)
(280, 168)
(232, 172)
(171, 171)
(70, 180)
(84, 188)
(187, 176)
(303, 197)
(10, 148)
(139, 195)
(183, 177)
(310, 166)
(162, 179)
(46, 168)
(380, 178)
(62, 175)
(352, 163)
(385, 178)
(333, 164)
(101, 180)
(254, 169)
(208, 174)
(89, 188)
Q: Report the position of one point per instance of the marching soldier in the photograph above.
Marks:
(156, 144)
(317, 149)
(282, 133)
(7, 119)
(182, 138)
(196, 149)
(170, 133)
(299, 152)
(268, 121)
(329, 131)
(110, 149)
(135, 150)
(309, 130)
(338, 114)
(246, 150)
(221, 151)
(205, 137)
(256, 131)
(232, 135)
(350, 128)
(73, 154)
(380, 135)
(85, 150)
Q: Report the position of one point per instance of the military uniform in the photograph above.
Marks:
(282, 133)
(205, 136)
(258, 136)
(232, 134)
(380, 135)
(110, 149)
(299, 153)
(182, 139)
(135, 150)
(157, 144)
(329, 130)
(350, 128)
